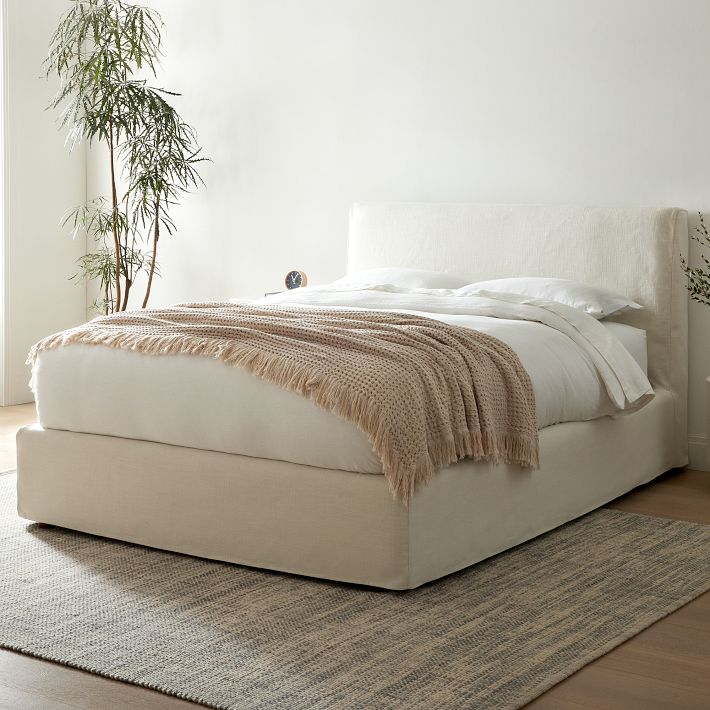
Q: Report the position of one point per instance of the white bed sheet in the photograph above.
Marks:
(205, 404)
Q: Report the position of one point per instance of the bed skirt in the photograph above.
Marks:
(328, 523)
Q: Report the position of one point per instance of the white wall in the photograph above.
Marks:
(41, 182)
(308, 106)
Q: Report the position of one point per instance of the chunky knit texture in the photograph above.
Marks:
(426, 393)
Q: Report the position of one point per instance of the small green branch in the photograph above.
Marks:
(698, 278)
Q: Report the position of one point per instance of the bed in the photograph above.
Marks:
(284, 487)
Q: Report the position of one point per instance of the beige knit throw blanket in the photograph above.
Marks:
(426, 393)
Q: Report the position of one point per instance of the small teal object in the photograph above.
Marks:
(295, 279)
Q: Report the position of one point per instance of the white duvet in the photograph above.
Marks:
(579, 368)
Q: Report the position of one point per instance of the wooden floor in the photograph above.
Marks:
(666, 667)
(11, 419)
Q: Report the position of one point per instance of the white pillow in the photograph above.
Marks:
(404, 278)
(597, 302)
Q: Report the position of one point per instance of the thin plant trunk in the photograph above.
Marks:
(154, 254)
(130, 262)
(116, 238)
(126, 291)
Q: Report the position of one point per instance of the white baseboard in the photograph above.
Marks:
(698, 453)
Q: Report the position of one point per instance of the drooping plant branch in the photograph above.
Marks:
(96, 52)
(698, 284)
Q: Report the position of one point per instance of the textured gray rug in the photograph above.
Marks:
(493, 636)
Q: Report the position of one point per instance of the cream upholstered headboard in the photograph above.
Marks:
(633, 250)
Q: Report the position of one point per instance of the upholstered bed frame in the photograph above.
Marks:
(346, 526)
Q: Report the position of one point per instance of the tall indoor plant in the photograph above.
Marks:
(101, 52)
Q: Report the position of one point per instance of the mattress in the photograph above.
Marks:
(204, 404)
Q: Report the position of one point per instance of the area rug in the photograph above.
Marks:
(493, 636)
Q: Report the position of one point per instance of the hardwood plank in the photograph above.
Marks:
(695, 615)
(78, 689)
(11, 419)
(608, 689)
(673, 654)
(674, 638)
(682, 495)
(550, 702)
(16, 415)
(686, 479)
(15, 699)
